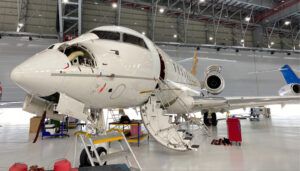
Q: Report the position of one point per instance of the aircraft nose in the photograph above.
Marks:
(35, 74)
(16, 75)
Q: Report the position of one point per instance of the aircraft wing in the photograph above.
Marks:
(223, 104)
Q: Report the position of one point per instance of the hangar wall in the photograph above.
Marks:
(238, 68)
(41, 18)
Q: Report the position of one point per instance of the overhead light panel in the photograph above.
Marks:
(114, 5)
(161, 10)
(287, 22)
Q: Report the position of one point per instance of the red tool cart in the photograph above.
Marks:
(234, 130)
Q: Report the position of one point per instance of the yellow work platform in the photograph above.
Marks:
(125, 128)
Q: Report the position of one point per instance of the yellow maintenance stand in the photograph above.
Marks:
(110, 136)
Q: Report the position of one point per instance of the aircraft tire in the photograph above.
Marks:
(214, 120)
(205, 119)
(84, 159)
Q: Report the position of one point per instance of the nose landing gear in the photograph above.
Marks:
(210, 119)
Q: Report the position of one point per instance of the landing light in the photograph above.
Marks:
(65, 1)
(143, 33)
(211, 38)
(175, 36)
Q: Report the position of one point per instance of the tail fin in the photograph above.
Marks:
(289, 75)
(195, 63)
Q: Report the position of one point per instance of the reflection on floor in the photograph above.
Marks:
(268, 144)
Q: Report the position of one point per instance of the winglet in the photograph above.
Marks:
(195, 63)
(289, 75)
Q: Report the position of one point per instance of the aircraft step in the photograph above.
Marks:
(181, 130)
(188, 138)
(114, 155)
(195, 146)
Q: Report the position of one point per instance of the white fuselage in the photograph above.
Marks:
(123, 74)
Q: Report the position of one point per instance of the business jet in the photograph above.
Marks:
(116, 67)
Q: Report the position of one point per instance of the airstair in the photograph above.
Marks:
(178, 135)
(98, 156)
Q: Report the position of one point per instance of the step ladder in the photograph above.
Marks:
(95, 140)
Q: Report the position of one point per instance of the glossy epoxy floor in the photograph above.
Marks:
(269, 144)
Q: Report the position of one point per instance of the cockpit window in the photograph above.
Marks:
(134, 40)
(51, 47)
(107, 35)
(79, 56)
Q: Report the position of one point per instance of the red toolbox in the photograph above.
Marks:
(234, 130)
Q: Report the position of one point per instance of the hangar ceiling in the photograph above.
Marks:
(249, 23)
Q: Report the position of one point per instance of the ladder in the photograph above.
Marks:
(92, 141)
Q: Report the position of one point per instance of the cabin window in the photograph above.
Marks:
(107, 35)
(127, 38)
(80, 56)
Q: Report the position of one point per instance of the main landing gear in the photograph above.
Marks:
(210, 119)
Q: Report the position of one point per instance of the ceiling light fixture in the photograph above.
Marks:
(161, 10)
(287, 22)
(247, 19)
(114, 5)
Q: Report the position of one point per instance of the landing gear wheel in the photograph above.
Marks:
(84, 159)
(214, 120)
(205, 119)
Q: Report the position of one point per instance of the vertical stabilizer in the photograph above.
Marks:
(289, 75)
(195, 63)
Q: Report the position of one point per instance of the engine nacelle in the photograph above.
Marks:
(214, 81)
(290, 89)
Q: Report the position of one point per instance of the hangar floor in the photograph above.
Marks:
(268, 144)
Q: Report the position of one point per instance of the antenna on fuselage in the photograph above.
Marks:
(195, 62)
